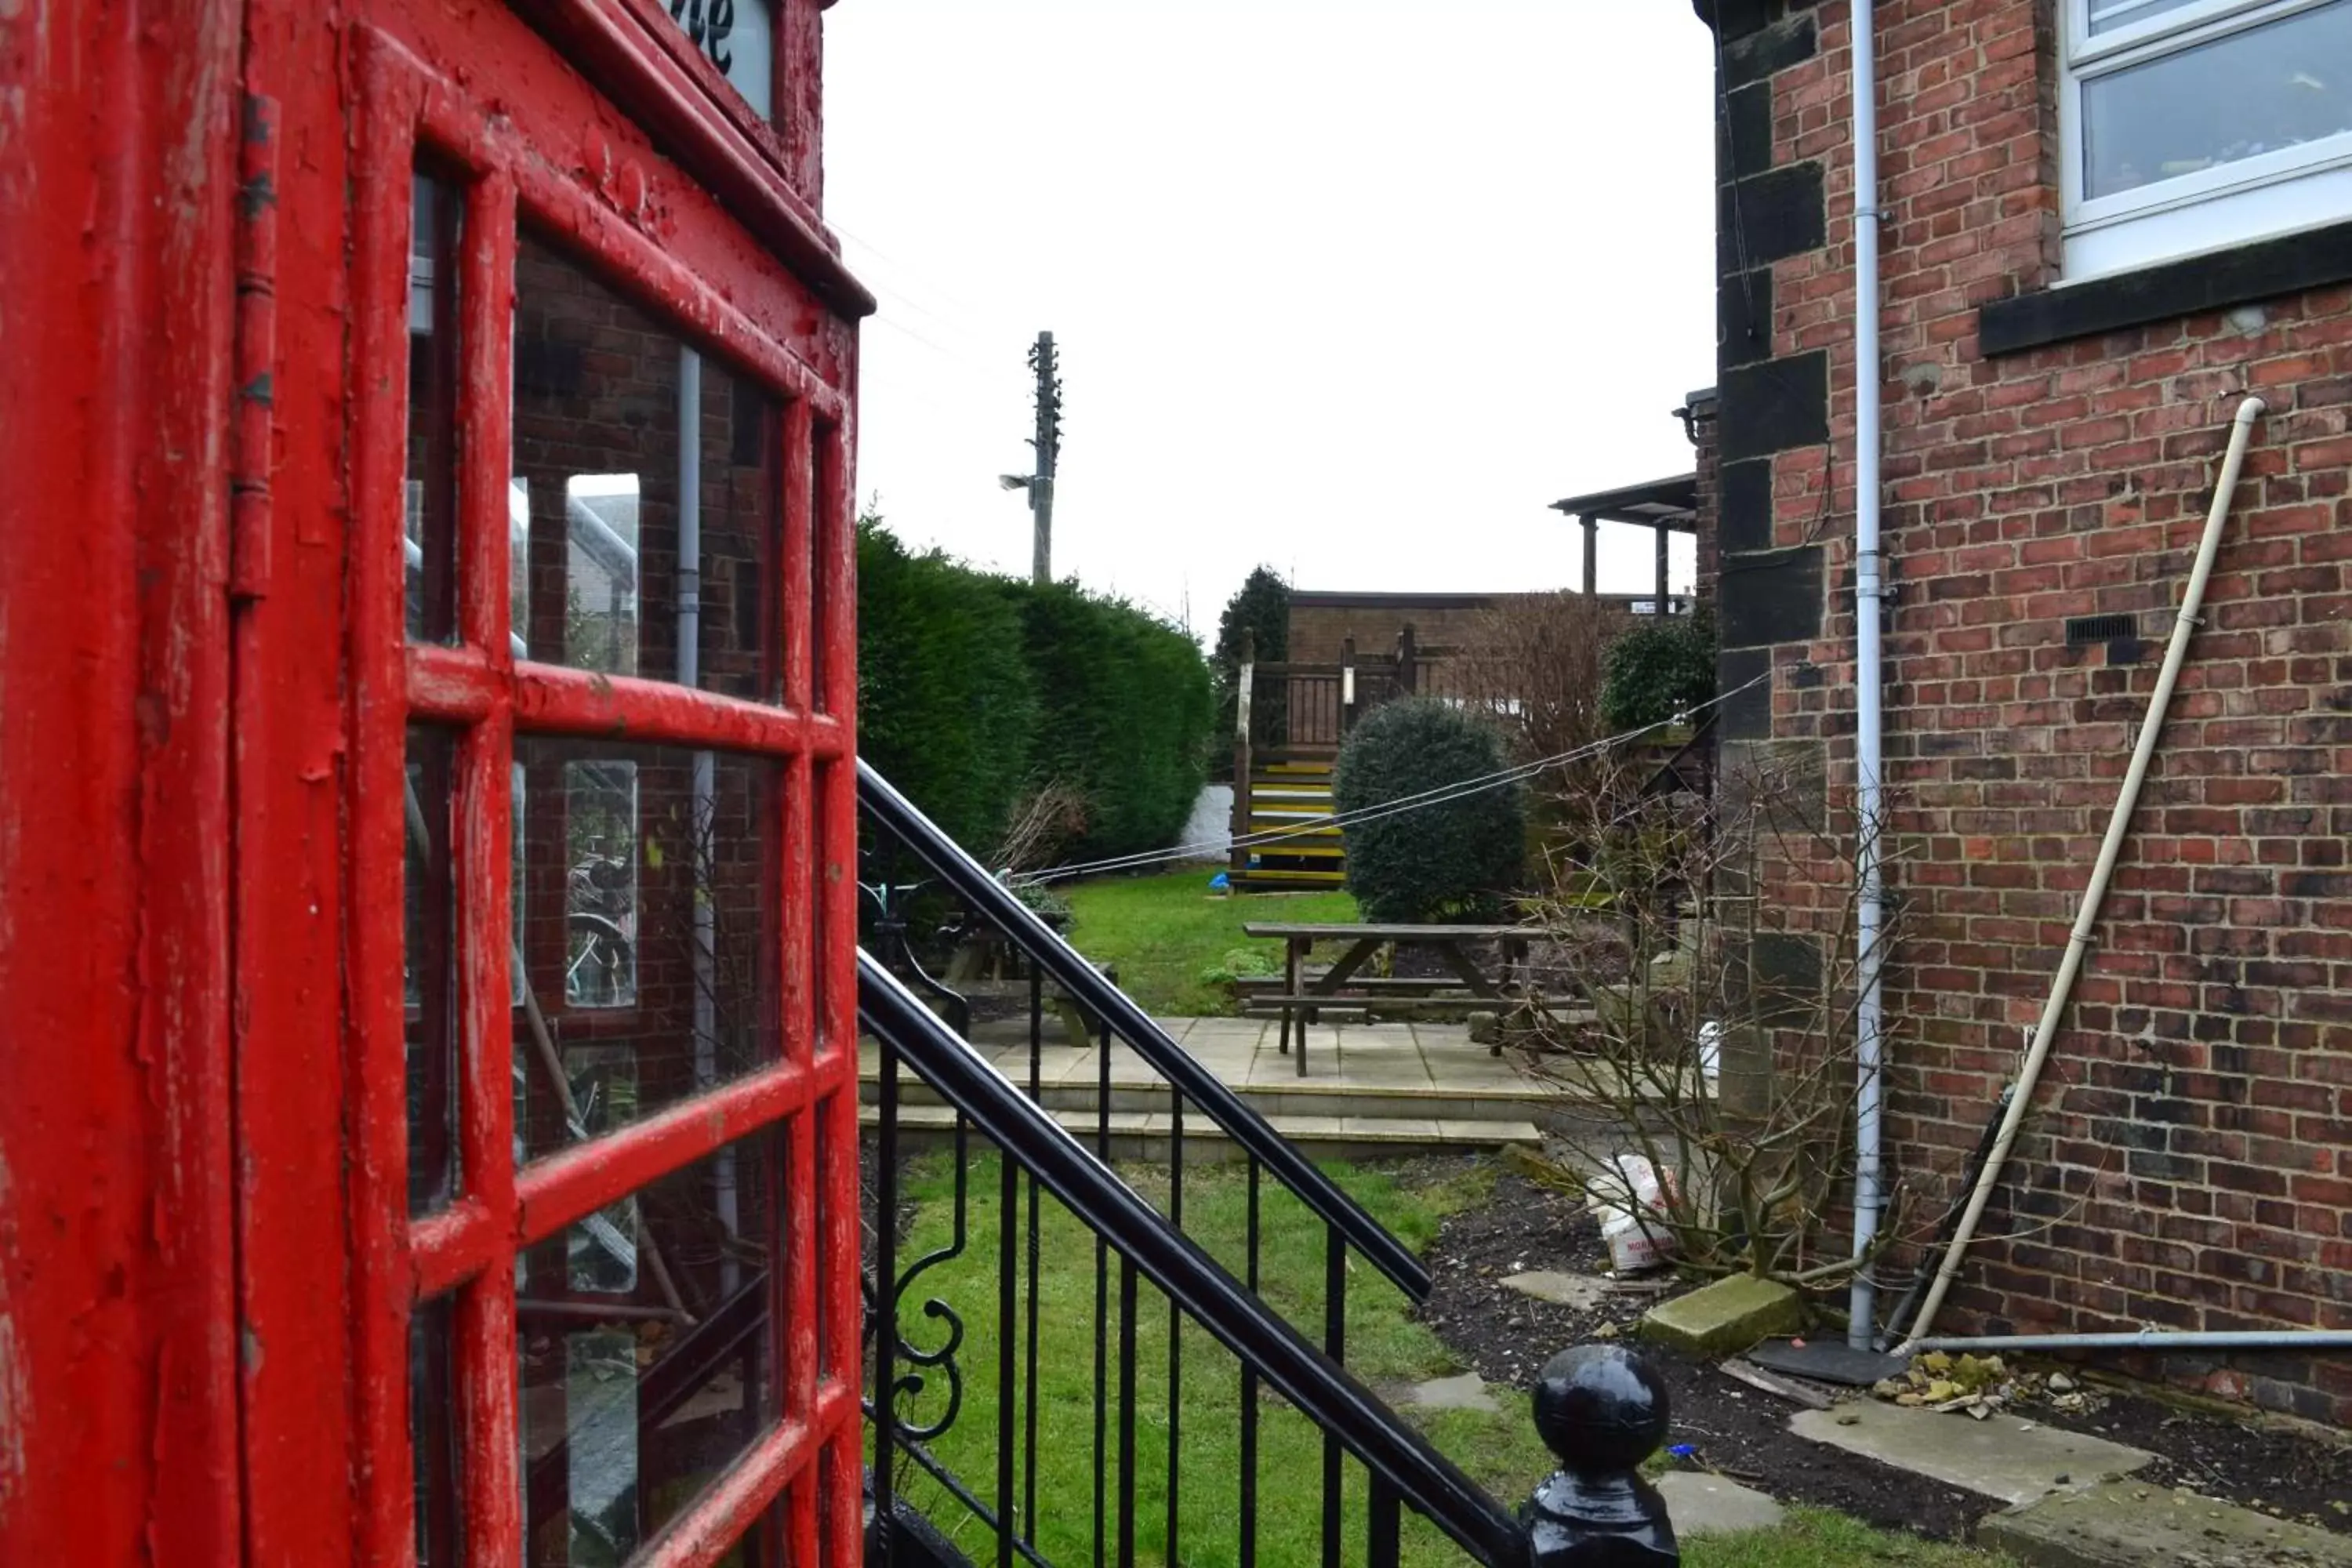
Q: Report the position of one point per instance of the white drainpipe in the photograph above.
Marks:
(1869, 718)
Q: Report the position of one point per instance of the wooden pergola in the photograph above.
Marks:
(1662, 505)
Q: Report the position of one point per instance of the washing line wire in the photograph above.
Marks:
(1439, 795)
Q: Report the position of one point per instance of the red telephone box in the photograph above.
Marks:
(428, 1088)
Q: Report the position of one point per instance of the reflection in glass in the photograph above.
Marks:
(2266, 90)
(429, 541)
(650, 948)
(428, 970)
(636, 548)
(2106, 16)
(636, 1398)
(432, 1434)
(601, 883)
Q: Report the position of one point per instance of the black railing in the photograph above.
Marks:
(1145, 1246)
(991, 907)
(1598, 1409)
(1057, 1150)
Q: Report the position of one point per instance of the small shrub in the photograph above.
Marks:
(1656, 670)
(1240, 964)
(1044, 903)
(1455, 860)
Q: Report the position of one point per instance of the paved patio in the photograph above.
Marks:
(1436, 1059)
(1416, 1085)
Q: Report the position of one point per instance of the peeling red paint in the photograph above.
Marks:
(207, 1270)
(117, 1393)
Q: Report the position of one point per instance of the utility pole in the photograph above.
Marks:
(1048, 442)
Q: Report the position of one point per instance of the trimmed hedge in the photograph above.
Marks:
(1455, 860)
(947, 705)
(1124, 709)
(974, 688)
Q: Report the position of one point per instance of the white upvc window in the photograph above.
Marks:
(2194, 125)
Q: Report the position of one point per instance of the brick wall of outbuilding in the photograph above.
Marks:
(2190, 1163)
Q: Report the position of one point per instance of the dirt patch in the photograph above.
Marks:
(2274, 1469)
(1743, 1433)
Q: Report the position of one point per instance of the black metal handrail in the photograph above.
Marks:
(1404, 1467)
(993, 901)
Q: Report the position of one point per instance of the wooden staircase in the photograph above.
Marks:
(1283, 752)
(1286, 797)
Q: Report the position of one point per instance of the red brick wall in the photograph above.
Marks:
(2190, 1163)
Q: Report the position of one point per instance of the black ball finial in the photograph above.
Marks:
(1601, 1408)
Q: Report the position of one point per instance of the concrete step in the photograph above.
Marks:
(1141, 1136)
(1307, 1096)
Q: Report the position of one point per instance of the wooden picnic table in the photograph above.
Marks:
(1306, 996)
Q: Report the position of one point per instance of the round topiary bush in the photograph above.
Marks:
(1457, 859)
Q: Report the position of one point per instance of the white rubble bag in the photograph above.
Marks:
(1640, 1241)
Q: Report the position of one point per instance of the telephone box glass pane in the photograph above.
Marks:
(648, 949)
(429, 535)
(636, 1398)
(428, 979)
(433, 1434)
(637, 543)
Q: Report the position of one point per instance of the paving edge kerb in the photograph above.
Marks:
(2119, 1525)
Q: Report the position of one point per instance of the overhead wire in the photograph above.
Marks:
(1441, 795)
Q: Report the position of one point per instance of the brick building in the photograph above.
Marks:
(2102, 225)
(1322, 622)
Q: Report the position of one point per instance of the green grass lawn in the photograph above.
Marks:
(1163, 931)
(1385, 1346)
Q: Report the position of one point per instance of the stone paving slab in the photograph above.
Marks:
(1581, 1290)
(1465, 1392)
(1701, 1504)
(2003, 1457)
(2119, 1525)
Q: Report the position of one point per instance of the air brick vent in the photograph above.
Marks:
(2099, 628)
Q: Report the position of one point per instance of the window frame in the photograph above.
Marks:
(2233, 204)
(810, 1457)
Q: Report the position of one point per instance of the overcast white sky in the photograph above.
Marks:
(1353, 288)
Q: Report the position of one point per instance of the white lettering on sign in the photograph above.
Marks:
(739, 36)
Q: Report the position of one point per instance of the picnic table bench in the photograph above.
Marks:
(985, 963)
(1305, 995)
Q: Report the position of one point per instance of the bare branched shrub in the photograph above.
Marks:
(1716, 1032)
(1533, 662)
(1046, 819)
